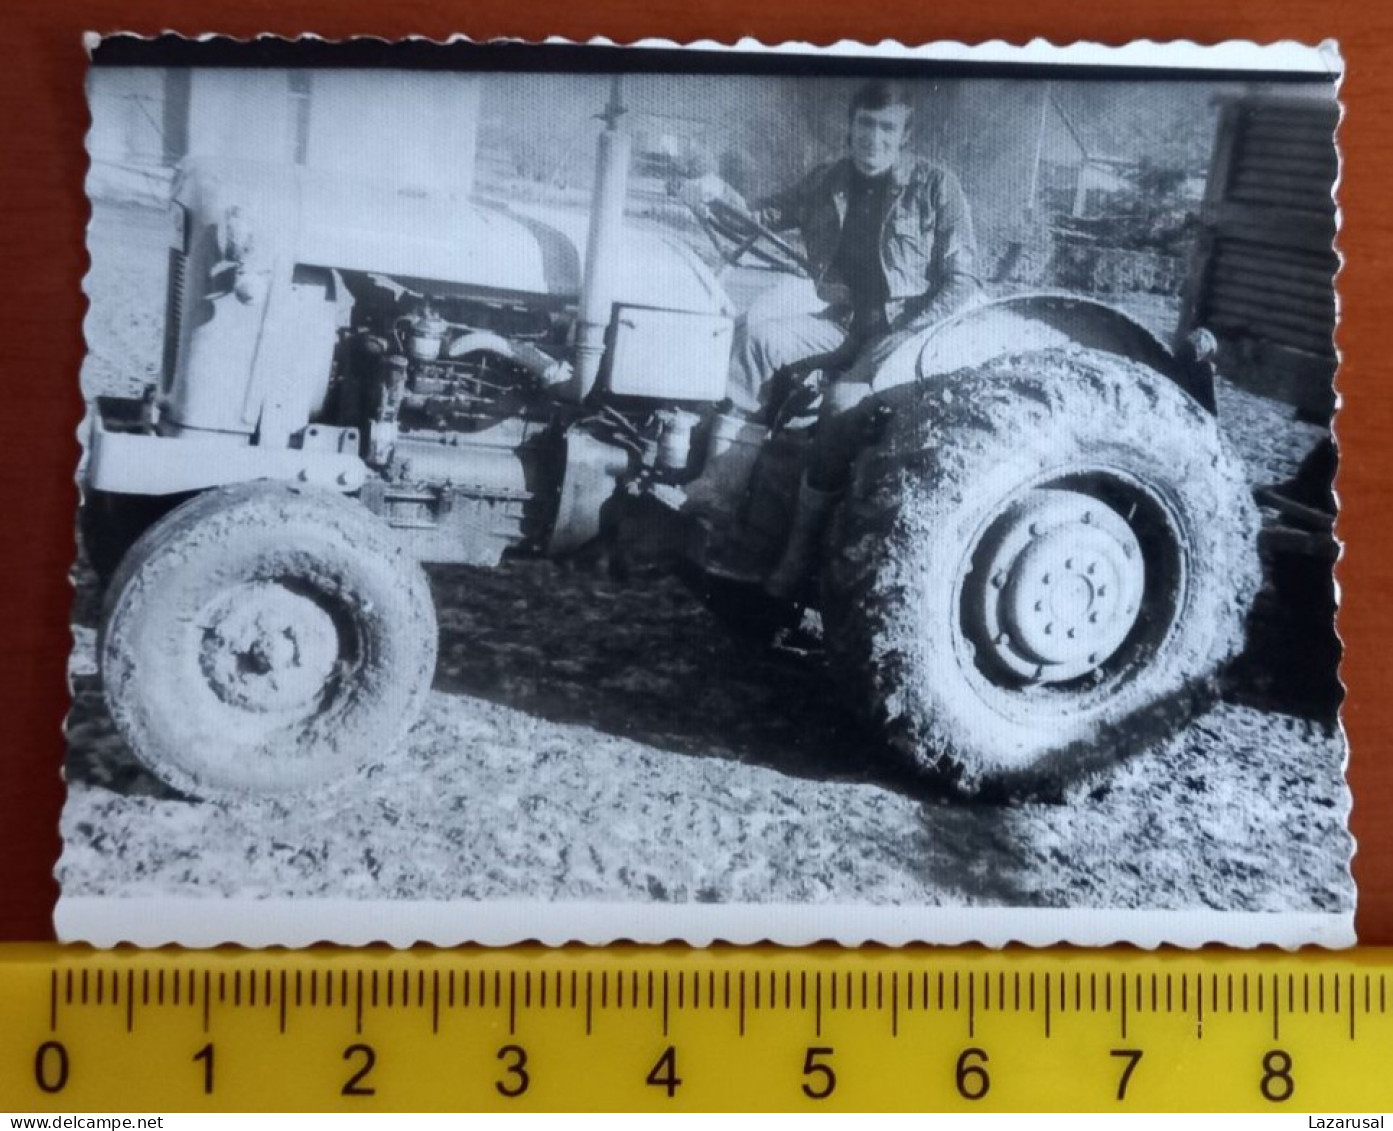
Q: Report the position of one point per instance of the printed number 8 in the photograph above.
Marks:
(1277, 1083)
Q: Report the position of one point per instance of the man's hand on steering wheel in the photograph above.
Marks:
(697, 193)
(734, 230)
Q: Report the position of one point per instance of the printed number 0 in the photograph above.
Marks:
(1277, 1082)
(972, 1079)
(517, 1068)
(811, 1067)
(51, 1067)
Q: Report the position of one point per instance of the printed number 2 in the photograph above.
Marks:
(664, 1073)
(1133, 1058)
(355, 1085)
(827, 1079)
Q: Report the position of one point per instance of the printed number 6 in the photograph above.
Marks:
(972, 1079)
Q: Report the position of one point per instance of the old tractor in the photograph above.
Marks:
(1045, 556)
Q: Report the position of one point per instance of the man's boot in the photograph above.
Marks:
(786, 580)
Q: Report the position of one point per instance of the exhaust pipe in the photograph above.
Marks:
(602, 265)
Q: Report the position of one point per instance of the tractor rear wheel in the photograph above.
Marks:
(1042, 565)
(265, 639)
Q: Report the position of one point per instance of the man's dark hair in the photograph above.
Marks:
(878, 94)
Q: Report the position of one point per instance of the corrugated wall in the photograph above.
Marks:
(1263, 279)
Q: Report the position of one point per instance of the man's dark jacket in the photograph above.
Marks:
(927, 249)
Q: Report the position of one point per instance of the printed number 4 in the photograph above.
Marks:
(664, 1073)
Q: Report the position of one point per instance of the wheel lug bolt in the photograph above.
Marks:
(1068, 563)
(1070, 634)
(998, 580)
(1087, 516)
(1093, 657)
(1102, 590)
(1049, 630)
(1045, 580)
(1092, 618)
(1039, 606)
(1092, 567)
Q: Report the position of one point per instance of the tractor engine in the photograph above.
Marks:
(448, 398)
(483, 377)
(460, 407)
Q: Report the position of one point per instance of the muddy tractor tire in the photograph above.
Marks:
(1042, 565)
(265, 639)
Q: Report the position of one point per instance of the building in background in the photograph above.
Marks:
(416, 128)
(1262, 278)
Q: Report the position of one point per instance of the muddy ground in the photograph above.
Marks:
(587, 739)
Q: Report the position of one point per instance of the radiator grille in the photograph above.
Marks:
(173, 315)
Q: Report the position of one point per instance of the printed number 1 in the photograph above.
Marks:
(205, 1054)
(1133, 1058)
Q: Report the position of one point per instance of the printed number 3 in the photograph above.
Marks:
(516, 1069)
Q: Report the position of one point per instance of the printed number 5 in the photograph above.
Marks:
(827, 1079)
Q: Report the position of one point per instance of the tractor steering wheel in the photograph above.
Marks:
(735, 234)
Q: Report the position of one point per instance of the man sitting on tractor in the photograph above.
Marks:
(889, 238)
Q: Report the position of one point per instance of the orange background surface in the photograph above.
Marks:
(43, 118)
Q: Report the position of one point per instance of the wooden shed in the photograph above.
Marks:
(1262, 279)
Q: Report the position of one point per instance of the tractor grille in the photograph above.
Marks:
(173, 315)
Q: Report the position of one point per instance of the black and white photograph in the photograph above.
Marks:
(579, 493)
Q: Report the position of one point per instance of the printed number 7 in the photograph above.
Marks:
(1133, 1058)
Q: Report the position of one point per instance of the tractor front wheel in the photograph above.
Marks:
(265, 639)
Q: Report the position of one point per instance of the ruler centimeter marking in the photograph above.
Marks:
(1279, 1022)
(971, 993)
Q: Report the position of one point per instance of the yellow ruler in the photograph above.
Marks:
(631, 1028)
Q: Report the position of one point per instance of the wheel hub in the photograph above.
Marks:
(1062, 586)
(268, 649)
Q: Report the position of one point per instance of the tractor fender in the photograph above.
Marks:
(1030, 323)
